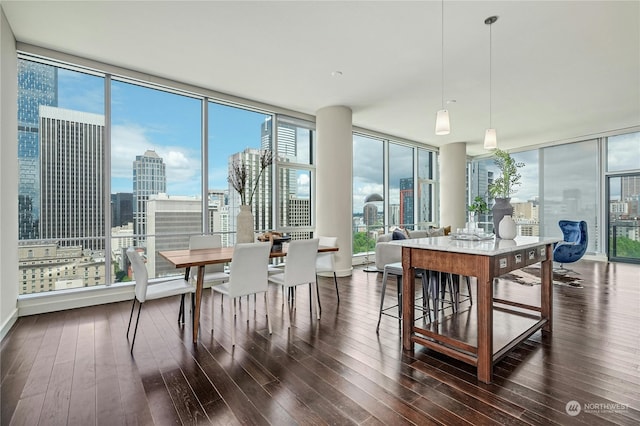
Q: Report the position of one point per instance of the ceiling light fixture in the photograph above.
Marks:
(490, 137)
(442, 116)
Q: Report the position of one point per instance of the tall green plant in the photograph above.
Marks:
(504, 185)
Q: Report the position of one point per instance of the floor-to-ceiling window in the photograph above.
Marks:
(525, 199)
(623, 197)
(426, 188)
(394, 186)
(107, 162)
(558, 182)
(61, 152)
(156, 177)
(401, 186)
(570, 188)
(368, 192)
(237, 134)
(295, 176)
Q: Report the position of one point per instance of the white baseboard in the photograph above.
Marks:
(8, 324)
(598, 257)
(33, 304)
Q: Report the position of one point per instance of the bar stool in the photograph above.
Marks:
(442, 282)
(395, 269)
(456, 290)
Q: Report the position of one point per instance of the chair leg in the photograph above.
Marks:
(212, 316)
(399, 284)
(193, 310)
(335, 280)
(131, 315)
(181, 311)
(384, 289)
(287, 310)
(469, 290)
(232, 308)
(425, 293)
(316, 299)
(434, 290)
(318, 293)
(266, 307)
(135, 330)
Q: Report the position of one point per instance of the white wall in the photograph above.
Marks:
(453, 165)
(8, 177)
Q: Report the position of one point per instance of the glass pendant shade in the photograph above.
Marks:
(490, 139)
(442, 123)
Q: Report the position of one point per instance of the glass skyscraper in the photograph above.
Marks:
(37, 85)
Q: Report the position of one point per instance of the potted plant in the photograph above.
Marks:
(246, 185)
(478, 206)
(503, 186)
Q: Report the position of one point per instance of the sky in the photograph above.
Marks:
(147, 119)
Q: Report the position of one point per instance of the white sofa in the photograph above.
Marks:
(391, 253)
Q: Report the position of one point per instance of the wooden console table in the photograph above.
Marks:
(484, 260)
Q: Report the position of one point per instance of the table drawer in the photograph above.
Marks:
(518, 259)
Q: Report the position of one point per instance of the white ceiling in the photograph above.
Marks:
(561, 69)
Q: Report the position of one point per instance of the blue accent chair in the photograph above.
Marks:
(574, 245)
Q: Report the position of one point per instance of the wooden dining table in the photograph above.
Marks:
(188, 258)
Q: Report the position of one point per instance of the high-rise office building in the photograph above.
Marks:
(299, 211)
(406, 202)
(121, 209)
(37, 85)
(172, 220)
(630, 187)
(72, 177)
(370, 214)
(149, 178)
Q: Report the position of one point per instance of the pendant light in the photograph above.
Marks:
(442, 117)
(490, 137)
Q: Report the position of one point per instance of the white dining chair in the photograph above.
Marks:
(144, 291)
(325, 262)
(213, 274)
(247, 275)
(300, 269)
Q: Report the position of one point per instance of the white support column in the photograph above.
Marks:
(334, 164)
(453, 203)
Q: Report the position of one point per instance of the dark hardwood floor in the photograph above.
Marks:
(74, 367)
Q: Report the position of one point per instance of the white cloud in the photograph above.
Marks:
(183, 165)
(303, 185)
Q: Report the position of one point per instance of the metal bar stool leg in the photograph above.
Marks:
(384, 289)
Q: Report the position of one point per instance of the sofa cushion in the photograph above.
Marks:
(398, 235)
(420, 233)
(384, 238)
(436, 232)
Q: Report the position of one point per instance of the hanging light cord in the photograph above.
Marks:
(442, 52)
(490, 66)
(490, 21)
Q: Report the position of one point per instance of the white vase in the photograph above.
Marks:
(507, 228)
(245, 222)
